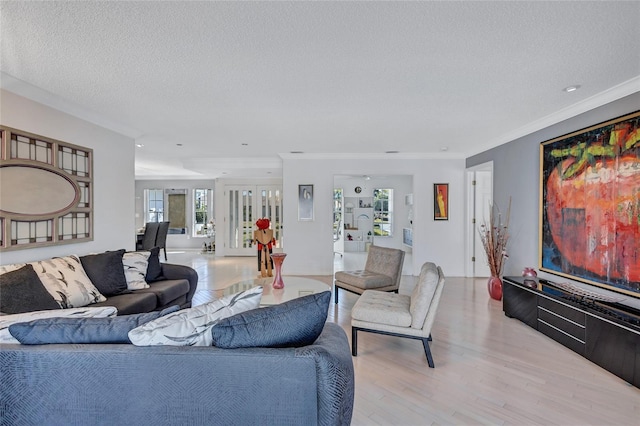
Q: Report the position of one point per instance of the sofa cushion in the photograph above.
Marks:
(22, 291)
(135, 269)
(154, 269)
(192, 326)
(106, 272)
(89, 312)
(132, 303)
(82, 330)
(167, 290)
(66, 280)
(364, 279)
(294, 323)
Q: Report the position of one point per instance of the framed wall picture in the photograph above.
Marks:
(47, 191)
(590, 205)
(440, 201)
(305, 202)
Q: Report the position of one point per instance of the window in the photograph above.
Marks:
(201, 212)
(337, 213)
(155, 205)
(383, 212)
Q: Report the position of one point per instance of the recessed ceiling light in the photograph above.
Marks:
(139, 145)
(444, 148)
(571, 88)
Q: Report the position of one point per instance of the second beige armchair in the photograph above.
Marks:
(382, 272)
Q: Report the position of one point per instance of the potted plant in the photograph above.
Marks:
(494, 235)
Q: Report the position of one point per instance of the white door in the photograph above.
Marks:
(245, 204)
(483, 199)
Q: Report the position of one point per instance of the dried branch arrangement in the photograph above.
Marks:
(494, 235)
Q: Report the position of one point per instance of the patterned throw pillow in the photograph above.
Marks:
(192, 326)
(65, 279)
(7, 320)
(135, 269)
(11, 267)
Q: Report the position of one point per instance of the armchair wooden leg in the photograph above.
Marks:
(427, 351)
(354, 341)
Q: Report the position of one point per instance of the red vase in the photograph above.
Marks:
(278, 258)
(495, 288)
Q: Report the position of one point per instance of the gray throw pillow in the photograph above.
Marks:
(295, 323)
(82, 330)
(22, 291)
(106, 272)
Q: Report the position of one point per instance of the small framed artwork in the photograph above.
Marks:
(305, 202)
(440, 201)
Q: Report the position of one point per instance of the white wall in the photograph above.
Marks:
(113, 168)
(309, 245)
(174, 240)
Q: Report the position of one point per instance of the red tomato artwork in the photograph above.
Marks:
(594, 217)
(591, 205)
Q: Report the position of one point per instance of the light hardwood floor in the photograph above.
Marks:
(490, 369)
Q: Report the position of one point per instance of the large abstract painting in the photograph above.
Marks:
(590, 205)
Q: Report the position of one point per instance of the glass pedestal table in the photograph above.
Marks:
(294, 287)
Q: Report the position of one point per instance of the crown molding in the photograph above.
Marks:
(372, 156)
(612, 94)
(34, 93)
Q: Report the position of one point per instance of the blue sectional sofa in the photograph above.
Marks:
(121, 384)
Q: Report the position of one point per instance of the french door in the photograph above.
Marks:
(245, 204)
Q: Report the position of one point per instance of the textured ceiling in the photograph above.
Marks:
(237, 83)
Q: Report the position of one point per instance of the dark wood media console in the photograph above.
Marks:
(604, 332)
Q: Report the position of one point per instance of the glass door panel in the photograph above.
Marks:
(245, 205)
(270, 202)
(240, 220)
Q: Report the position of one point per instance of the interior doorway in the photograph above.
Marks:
(371, 209)
(479, 199)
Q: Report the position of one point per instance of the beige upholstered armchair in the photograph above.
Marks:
(382, 272)
(399, 314)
